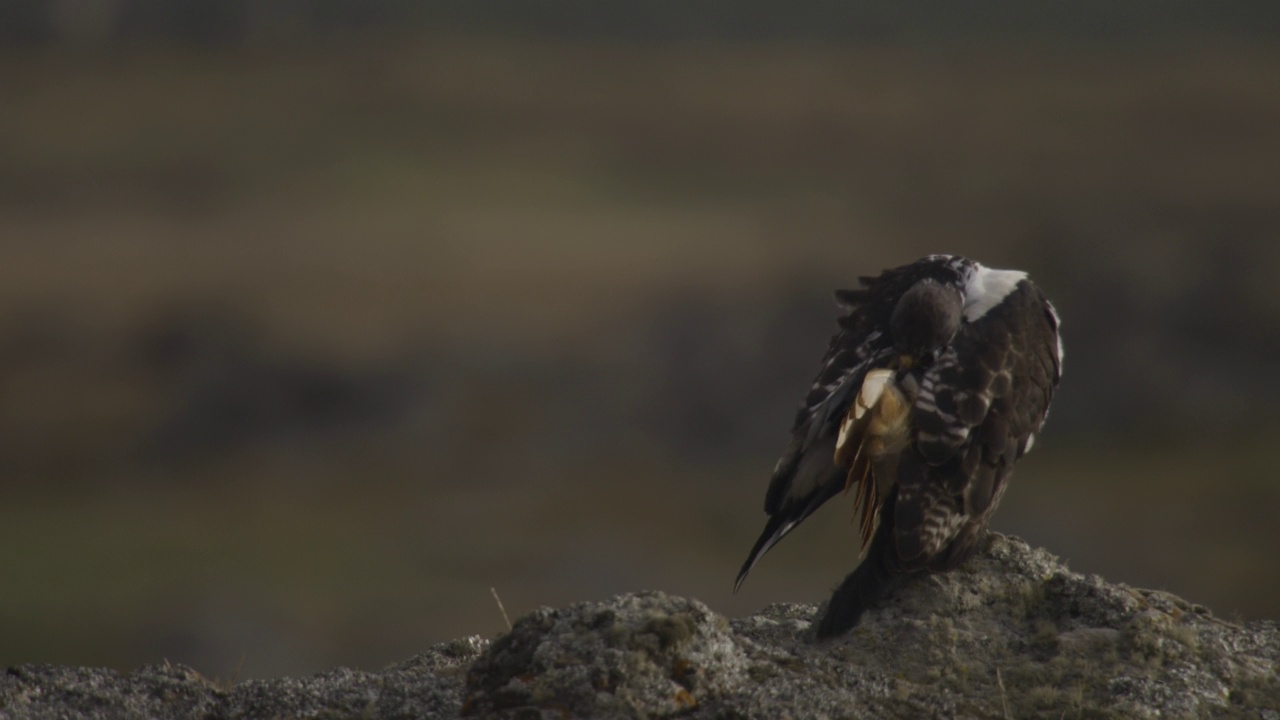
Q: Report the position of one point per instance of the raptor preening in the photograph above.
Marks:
(934, 387)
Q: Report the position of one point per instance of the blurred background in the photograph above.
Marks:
(321, 318)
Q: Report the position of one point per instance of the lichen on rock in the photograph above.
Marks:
(638, 655)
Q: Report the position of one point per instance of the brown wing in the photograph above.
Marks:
(977, 411)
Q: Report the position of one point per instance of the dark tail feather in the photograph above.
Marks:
(783, 520)
(773, 532)
(867, 585)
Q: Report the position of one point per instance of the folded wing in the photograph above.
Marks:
(807, 476)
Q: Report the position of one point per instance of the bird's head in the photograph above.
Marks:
(925, 320)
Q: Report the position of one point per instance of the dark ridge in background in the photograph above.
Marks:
(231, 22)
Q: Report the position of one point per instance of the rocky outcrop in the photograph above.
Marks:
(1012, 634)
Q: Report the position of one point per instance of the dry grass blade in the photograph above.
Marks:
(501, 609)
(1004, 695)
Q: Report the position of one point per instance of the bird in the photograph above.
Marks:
(934, 386)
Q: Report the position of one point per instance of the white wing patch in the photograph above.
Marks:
(872, 388)
(888, 416)
(986, 287)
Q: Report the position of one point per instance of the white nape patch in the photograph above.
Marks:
(1031, 440)
(986, 287)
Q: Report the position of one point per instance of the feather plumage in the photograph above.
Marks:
(933, 387)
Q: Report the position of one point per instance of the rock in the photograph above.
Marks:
(637, 656)
(1012, 634)
(428, 686)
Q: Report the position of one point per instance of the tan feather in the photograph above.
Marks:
(874, 430)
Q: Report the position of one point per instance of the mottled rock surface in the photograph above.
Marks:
(1013, 634)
